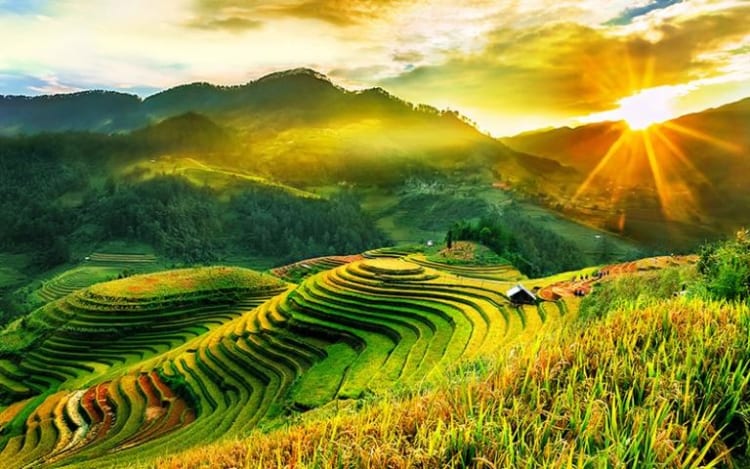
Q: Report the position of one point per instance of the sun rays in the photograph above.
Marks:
(646, 163)
(649, 162)
(646, 108)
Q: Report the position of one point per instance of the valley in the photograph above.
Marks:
(244, 276)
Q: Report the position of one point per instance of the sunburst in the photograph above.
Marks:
(650, 140)
(646, 108)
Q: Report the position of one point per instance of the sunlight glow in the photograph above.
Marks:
(601, 165)
(697, 134)
(648, 148)
(646, 108)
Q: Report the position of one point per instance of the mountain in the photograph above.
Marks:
(302, 95)
(582, 147)
(183, 170)
(185, 132)
(678, 181)
(98, 111)
(295, 126)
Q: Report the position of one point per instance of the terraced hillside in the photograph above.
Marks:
(394, 322)
(137, 368)
(392, 252)
(303, 269)
(463, 259)
(85, 343)
(501, 272)
(97, 267)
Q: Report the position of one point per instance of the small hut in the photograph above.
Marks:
(519, 295)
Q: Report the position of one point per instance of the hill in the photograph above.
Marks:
(127, 370)
(270, 123)
(98, 111)
(655, 382)
(183, 172)
(675, 183)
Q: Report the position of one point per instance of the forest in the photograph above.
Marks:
(535, 251)
(53, 203)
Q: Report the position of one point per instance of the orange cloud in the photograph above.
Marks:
(236, 14)
(568, 69)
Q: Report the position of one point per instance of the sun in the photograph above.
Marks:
(647, 108)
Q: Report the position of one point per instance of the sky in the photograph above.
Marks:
(509, 65)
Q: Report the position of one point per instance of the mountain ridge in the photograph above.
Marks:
(107, 111)
(687, 173)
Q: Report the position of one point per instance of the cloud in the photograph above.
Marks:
(505, 63)
(353, 77)
(341, 12)
(51, 85)
(411, 56)
(237, 15)
(568, 69)
(232, 24)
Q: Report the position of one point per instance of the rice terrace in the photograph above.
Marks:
(374, 234)
(179, 358)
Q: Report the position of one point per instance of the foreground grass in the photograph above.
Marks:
(665, 385)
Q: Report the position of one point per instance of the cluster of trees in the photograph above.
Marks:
(194, 224)
(53, 202)
(274, 223)
(535, 251)
(180, 220)
(33, 176)
(725, 268)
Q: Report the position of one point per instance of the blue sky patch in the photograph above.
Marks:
(628, 15)
(29, 85)
(22, 7)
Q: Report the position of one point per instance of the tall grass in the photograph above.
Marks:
(665, 385)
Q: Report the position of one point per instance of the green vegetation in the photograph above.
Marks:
(96, 267)
(405, 356)
(238, 351)
(299, 271)
(637, 291)
(663, 386)
(466, 253)
(57, 208)
(648, 379)
(467, 259)
(534, 250)
(235, 175)
(109, 325)
(726, 268)
(182, 282)
(356, 330)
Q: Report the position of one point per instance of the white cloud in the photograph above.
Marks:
(149, 44)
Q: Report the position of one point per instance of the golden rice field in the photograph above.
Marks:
(125, 372)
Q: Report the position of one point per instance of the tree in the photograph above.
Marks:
(726, 268)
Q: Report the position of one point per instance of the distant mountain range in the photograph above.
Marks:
(303, 95)
(695, 180)
(296, 126)
(299, 128)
